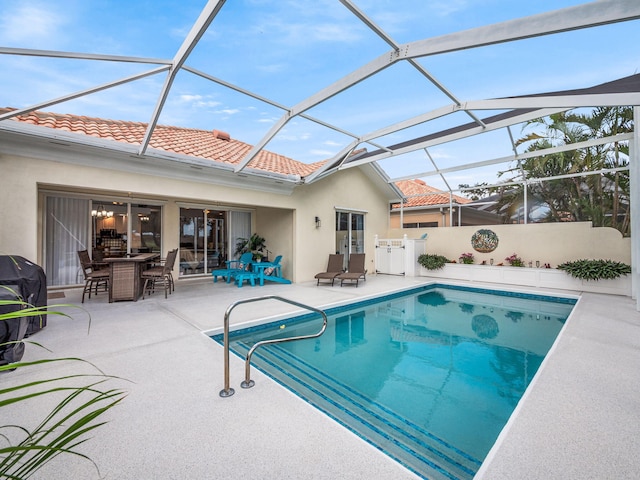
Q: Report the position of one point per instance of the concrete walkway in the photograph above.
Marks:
(579, 420)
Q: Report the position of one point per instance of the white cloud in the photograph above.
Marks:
(190, 98)
(198, 101)
(321, 153)
(228, 111)
(293, 138)
(31, 24)
(440, 154)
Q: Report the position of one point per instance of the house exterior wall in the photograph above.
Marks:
(419, 216)
(348, 189)
(468, 216)
(19, 217)
(552, 243)
(286, 221)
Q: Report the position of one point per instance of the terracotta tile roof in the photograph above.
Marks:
(212, 145)
(419, 187)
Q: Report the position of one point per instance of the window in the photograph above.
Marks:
(419, 224)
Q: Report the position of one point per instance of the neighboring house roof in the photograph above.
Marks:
(428, 196)
(211, 145)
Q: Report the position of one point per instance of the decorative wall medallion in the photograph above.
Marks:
(484, 241)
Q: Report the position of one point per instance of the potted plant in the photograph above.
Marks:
(254, 244)
(514, 260)
(466, 258)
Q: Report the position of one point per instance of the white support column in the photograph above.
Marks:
(634, 205)
(525, 186)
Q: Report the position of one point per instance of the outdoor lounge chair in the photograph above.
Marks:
(93, 277)
(335, 267)
(243, 264)
(355, 271)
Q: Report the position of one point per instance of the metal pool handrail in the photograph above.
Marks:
(248, 383)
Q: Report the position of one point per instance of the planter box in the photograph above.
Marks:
(528, 277)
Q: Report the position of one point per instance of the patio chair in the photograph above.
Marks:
(98, 262)
(243, 264)
(335, 266)
(355, 270)
(270, 271)
(162, 273)
(274, 268)
(93, 277)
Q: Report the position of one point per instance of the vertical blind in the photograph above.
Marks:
(67, 231)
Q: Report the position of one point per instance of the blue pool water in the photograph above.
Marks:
(430, 376)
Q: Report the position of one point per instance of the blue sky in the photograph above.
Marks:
(288, 50)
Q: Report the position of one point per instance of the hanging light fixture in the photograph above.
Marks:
(102, 212)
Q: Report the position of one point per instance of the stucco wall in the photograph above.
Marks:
(276, 226)
(348, 189)
(286, 221)
(18, 208)
(552, 243)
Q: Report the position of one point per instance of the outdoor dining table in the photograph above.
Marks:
(125, 281)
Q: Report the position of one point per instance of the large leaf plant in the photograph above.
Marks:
(82, 400)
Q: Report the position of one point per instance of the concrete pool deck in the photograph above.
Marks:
(580, 419)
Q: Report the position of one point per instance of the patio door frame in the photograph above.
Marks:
(353, 242)
(83, 240)
(228, 226)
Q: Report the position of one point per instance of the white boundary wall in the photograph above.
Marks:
(552, 243)
(528, 277)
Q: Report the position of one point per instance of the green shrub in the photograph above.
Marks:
(595, 269)
(432, 261)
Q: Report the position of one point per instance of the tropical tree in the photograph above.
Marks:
(573, 193)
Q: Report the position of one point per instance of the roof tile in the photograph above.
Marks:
(214, 145)
(430, 195)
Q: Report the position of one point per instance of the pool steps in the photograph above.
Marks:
(413, 446)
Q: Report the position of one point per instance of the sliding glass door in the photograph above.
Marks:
(349, 234)
(203, 240)
(105, 228)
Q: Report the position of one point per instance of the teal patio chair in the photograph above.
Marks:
(234, 267)
(271, 271)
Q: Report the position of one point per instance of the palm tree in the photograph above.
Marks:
(597, 198)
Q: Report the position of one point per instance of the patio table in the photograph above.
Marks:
(124, 276)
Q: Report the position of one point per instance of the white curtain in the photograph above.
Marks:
(239, 227)
(67, 231)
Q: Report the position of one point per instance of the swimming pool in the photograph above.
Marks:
(429, 376)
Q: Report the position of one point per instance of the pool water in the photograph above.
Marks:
(430, 377)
